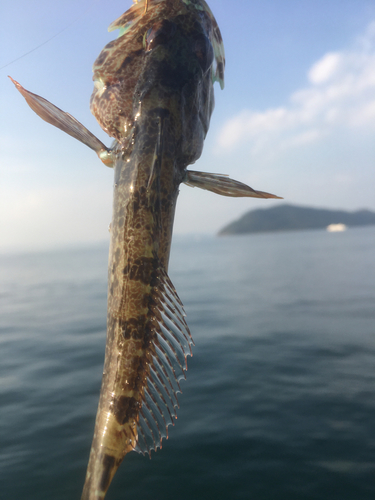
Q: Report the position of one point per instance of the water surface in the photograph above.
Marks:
(279, 399)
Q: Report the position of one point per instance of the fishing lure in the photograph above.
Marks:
(154, 95)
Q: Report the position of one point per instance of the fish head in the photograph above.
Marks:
(167, 57)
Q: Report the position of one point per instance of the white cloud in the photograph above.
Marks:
(325, 69)
(340, 94)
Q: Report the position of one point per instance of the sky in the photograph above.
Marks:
(296, 117)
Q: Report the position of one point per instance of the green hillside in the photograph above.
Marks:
(293, 218)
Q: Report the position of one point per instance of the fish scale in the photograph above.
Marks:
(153, 93)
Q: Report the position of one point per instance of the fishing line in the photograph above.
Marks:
(52, 37)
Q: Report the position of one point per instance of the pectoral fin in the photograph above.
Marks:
(65, 122)
(222, 184)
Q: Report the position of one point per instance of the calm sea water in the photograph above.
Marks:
(279, 401)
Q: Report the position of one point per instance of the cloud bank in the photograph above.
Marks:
(340, 94)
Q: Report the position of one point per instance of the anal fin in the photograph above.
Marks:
(172, 344)
(223, 185)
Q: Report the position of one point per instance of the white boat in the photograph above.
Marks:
(336, 228)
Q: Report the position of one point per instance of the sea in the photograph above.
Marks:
(279, 399)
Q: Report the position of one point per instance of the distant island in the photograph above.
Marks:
(294, 218)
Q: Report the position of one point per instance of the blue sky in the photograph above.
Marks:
(296, 117)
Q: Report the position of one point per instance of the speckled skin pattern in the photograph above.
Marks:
(154, 95)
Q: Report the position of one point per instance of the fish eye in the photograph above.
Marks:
(159, 34)
(204, 51)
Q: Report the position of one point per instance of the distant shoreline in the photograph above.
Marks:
(295, 218)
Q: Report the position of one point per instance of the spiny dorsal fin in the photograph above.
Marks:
(222, 184)
(172, 345)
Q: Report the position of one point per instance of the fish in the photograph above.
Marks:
(153, 94)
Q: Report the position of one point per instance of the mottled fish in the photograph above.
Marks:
(154, 95)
